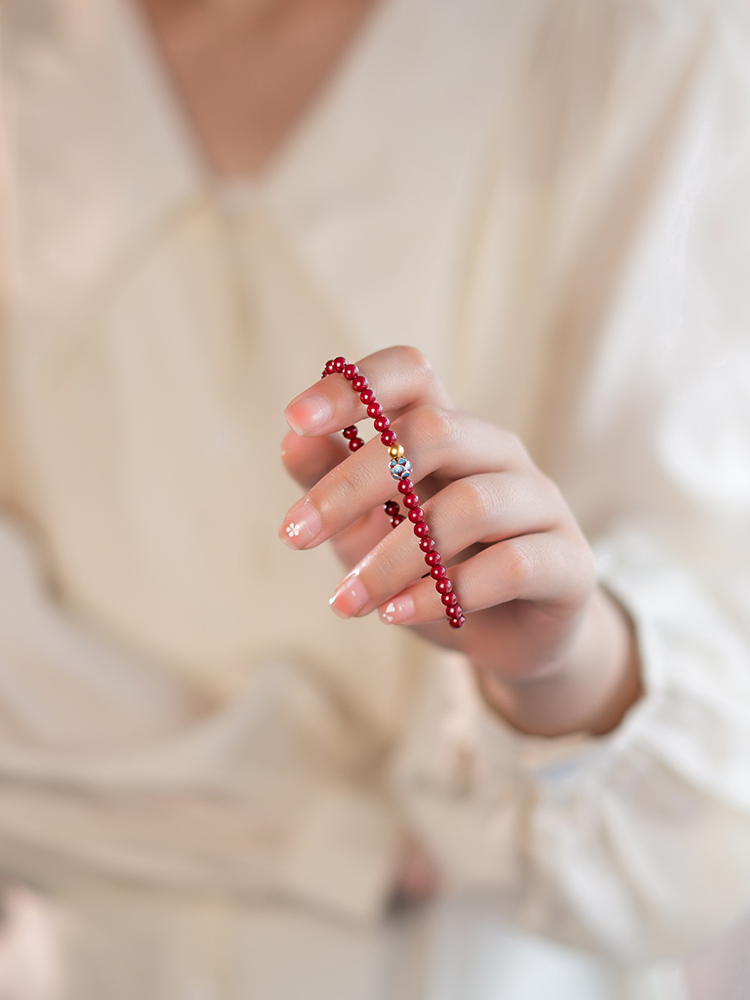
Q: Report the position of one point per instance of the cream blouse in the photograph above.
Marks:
(552, 200)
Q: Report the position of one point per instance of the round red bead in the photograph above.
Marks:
(338, 364)
(382, 423)
(330, 368)
(350, 432)
(367, 396)
(449, 599)
(411, 500)
(444, 586)
(359, 383)
(350, 371)
(457, 622)
(416, 514)
(388, 437)
(437, 572)
(421, 530)
(454, 611)
(391, 508)
(427, 544)
(374, 410)
(397, 519)
(433, 558)
(405, 486)
(356, 444)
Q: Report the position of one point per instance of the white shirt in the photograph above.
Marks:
(551, 202)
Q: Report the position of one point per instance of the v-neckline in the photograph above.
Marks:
(343, 75)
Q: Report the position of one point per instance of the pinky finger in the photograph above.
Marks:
(544, 567)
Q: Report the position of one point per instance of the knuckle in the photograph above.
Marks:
(516, 449)
(477, 500)
(433, 425)
(415, 360)
(421, 372)
(521, 565)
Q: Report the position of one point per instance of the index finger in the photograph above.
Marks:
(398, 377)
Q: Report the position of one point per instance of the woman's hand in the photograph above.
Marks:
(553, 652)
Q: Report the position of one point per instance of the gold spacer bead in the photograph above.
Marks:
(396, 451)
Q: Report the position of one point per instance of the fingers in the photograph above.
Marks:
(487, 509)
(545, 568)
(400, 377)
(446, 443)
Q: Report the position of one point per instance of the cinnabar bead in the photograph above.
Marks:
(457, 622)
(421, 530)
(350, 432)
(388, 437)
(391, 508)
(416, 514)
(454, 611)
(433, 558)
(382, 423)
(437, 572)
(367, 396)
(338, 364)
(444, 586)
(411, 500)
(449, 599)
(350, 372)
(395, 521)
(356, 444)
(330, 367)
(359, 383)
(427, 544)
(374, 410)
(405, 486)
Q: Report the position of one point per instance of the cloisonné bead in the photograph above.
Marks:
(400, 468)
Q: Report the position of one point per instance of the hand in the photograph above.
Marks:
(552, 651)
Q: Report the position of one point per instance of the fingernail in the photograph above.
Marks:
(350, 596)
(302, 526)
(309, 413)
(399, 610)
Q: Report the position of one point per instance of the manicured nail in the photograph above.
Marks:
(302, 526)
(399, 610)
(350, 596)
(309, 413)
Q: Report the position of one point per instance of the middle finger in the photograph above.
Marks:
(444, 443)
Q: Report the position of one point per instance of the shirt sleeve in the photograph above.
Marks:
(637, 845)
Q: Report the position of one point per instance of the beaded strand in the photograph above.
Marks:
(401, 471)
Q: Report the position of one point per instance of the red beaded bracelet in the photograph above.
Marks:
(400, 470)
